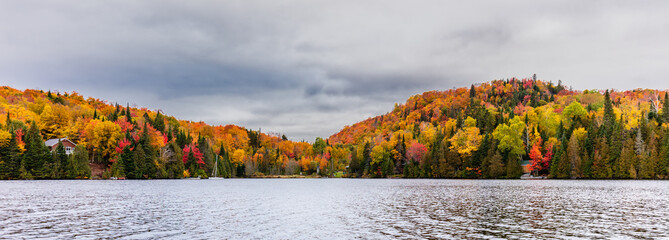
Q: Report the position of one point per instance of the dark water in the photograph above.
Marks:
(333, 209)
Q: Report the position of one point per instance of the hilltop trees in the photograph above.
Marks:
(497, 129)
(485, 130)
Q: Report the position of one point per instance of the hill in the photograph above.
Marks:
(497, 129)
(490, 130)
(127, 142)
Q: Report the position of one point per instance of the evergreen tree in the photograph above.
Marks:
(400, 161)
(624, 168)
(159, 122)
(574, 153)
(37, 156)
(60, 166)
(495, 165)
(127, 163)
(563, 166)
(663, 158)
(354, 168)
(143, 167)
(367, 159)
(609, 115)
(513, 168)
(79, 167)
(600, 165)
(10, 156)
(128, 117)
(665, 109)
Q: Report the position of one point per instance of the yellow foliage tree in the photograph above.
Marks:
(102, 137)
(5, 137)
(468, 139)
(238, 157)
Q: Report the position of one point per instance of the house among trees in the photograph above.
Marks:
(526, 165)
(53, 143)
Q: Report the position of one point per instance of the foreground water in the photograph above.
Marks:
(333, 209)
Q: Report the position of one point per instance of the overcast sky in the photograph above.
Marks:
(308, 68)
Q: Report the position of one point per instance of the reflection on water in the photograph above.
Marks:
(333, 209)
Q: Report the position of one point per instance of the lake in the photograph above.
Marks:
(333, 209)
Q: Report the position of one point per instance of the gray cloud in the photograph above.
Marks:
(307, 68)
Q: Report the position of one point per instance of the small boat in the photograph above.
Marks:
(528, 176)
(214, 172)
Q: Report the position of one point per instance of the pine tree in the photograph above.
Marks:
(600, 165)
(128, 117)
(624, 166)
(609, 115)
(11, 158)
(513, 168)
(575, 160)
(367, 159)
(563, 166)
(60, 166)
(354, 165)
(79, 167)
(142, 166)
(127, 163)
(495, 166)
(37, 156)
(159, 122)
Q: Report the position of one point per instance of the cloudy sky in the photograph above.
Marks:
(308, 68)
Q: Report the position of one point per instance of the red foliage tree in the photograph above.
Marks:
(539, 161)
(536, 158)
(122, 144)
(199, 157)
(416, 151)
(19, 136)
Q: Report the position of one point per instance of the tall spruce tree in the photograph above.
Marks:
(609, 115)
(60, 166)
(10, 156)
(665, 109)
(128, 117)
(37, 156)
(159, 122)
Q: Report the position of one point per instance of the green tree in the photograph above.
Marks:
(60, 167)
(319, 146)
(575, 160)
(609, 115)
(509, 137)
(574, 113)
(79, 167)
(624, 167)
(495, 166)
(37, 156)
(665, 109)
(513, 168)
(126, 163)
(600, 165)
(663, 158)
(10, 158)
(159, 122)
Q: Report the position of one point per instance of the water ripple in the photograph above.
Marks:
(333, 209)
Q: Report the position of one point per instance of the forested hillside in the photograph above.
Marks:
(127, 142)
(488, 130)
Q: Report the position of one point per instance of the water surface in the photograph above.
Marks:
(333, 209)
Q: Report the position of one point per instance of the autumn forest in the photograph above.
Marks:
(497, 129)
